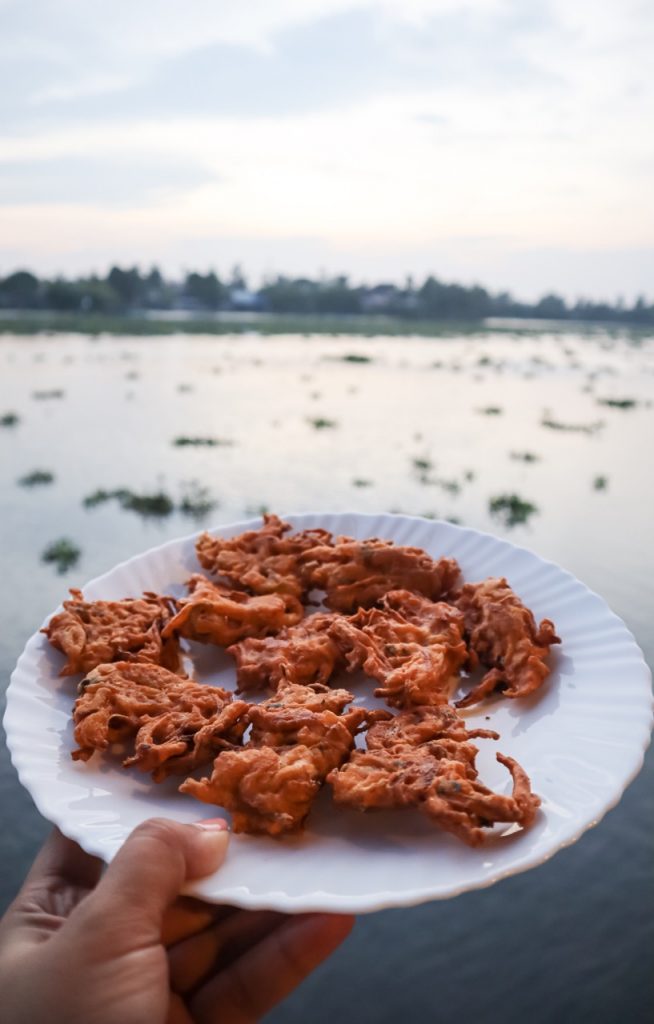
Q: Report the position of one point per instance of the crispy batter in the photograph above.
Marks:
(424, 759)
(178, 742)
(314, 697)
(123, 700)
(412, 645)
(214, 614)
(270, 785)
(263, 561)
(502, 634)
(303, 654)
(93, 633)
(356, 574)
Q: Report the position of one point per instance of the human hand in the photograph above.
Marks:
(79, 949)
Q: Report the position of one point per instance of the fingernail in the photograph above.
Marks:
(213, 825)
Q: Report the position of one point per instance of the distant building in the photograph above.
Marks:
(380, 299)
(245, 300)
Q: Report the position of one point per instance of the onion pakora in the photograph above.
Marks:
(263, 561)
(176, 724)
(412, 646)
(357, 573)
(503, 635)
(216, 615)
(303, 654)
(92, 633)
(423, 759)
(270, 784)
(394, 612)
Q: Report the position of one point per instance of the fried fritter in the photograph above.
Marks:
(357, 573)
(270, 785)
(263, 561)
(216, 615)
(314, 697)
(503, 635)
(303, 654)
(178, 742)
(93, 633)
(423, 759)
(126, 700)
(412, 645)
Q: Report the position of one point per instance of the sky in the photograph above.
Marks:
(504, 142)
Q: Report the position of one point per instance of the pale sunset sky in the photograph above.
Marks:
(504, 142)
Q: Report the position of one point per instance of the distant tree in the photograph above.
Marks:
(207, 290)
(63, 295)
(20, 290)
(237, 278)
(128, 285)
(552, 307)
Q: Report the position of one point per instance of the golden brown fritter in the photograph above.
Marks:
(503, 635)
(413, 646)
(270, 784)
(178, 742)
(124, 700)
(93, 633)
(423, 759)
(216, 615)
(303, 654)
(357, 573)
(314, 697)
(264, 561)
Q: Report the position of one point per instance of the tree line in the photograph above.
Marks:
(128, 290)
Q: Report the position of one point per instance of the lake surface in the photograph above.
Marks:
(436, 427)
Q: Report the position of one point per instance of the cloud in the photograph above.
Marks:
(122, 181)
(378, 130)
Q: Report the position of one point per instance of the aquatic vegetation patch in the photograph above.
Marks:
(360, 482)
(36, 478)
(491, 410)
(618, 403)
(154, 505)
(41, 396)
(600, 483)
(511, 510)
(356, 357)
(321, 423)
(524, 456)
(197, 501)
(202, 442)
(573, 428)
(62, 553)
(9, 419)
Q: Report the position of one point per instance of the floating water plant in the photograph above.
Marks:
(618, 403)
(44, 395)
(573, 428)
(9, 419)
(491, 410)
(196, 501)
(202, 442)
(524, 456)
(356, 357)
(62, 553)
(511, 510)
(360, 482)
(36, 478)
(149, 505)
(322, 423)
(600, 483)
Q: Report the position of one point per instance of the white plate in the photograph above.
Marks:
(581, 739)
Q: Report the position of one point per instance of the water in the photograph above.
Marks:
(410, 431)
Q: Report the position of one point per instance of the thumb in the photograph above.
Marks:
(147, 874)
